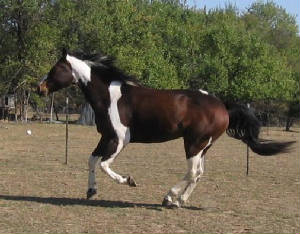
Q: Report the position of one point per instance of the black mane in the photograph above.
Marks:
(105, 65)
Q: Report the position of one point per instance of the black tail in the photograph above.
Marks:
(244, 125)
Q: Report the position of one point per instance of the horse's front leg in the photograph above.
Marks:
(93, 159)
(108, 149)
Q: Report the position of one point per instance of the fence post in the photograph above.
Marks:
(247, 171)
(51, 108)
(67, 129)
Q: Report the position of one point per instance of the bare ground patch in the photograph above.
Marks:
(39, 194)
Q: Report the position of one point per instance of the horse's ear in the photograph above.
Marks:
(64, 52)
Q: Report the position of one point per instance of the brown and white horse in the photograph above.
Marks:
(129, 112)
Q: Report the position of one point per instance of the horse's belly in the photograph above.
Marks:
(153, 134)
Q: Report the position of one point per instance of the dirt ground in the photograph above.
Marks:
(40, 194)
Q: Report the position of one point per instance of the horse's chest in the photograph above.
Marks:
(122, 131)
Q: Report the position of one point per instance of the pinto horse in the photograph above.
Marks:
(126, 111)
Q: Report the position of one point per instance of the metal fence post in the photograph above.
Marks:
(67, 129)
(247, 171)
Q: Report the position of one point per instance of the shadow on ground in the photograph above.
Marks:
(63, 201)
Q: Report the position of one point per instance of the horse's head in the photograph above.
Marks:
(60, 76)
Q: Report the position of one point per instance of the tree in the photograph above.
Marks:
(249, 56)
(87, 116)
(279, 29)
(273, 23)
(27, 40)
(237, 65)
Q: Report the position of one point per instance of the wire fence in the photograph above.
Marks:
(269, 115)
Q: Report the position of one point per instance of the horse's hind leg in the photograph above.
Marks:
(200, 170)
(193, 182)
(173, 196)
(181, 191)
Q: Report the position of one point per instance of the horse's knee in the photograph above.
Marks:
(92, 161)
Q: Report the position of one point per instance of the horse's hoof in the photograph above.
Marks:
(131, 181)
(169, 204)
(166, 202)
(91, 192)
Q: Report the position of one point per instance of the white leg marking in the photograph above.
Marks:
(199, 172)
(184, 188)
(175, 191)
(122, 131)
(92, 177)
(201, 166)
(105, 166)
(193, 180)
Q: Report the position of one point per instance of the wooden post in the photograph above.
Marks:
(247, 160)
(51, 108)
(247, 172)
(67, 129)
(16, 105)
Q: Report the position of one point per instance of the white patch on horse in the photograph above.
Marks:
(80, 69)
(195, 171)
(123, 132)
(203, 91)
(131, 83)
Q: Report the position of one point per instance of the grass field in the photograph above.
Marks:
(40, 194)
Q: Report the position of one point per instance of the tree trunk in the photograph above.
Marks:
(56, 113)
(16, 106)
(87, 116)
(26, 105)
(22, 104)
(289, 123)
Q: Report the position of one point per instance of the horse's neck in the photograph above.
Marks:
(96, 93)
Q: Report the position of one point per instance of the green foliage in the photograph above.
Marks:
(279, 29)
(236, 64)
(273, 23)
(28, 41)
(163, 43)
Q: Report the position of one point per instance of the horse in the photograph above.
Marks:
(126, 112)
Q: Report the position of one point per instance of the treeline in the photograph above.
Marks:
(246, 56)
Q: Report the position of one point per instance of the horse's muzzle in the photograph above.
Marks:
(42, 89)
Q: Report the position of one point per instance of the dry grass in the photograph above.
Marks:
(39, 194)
